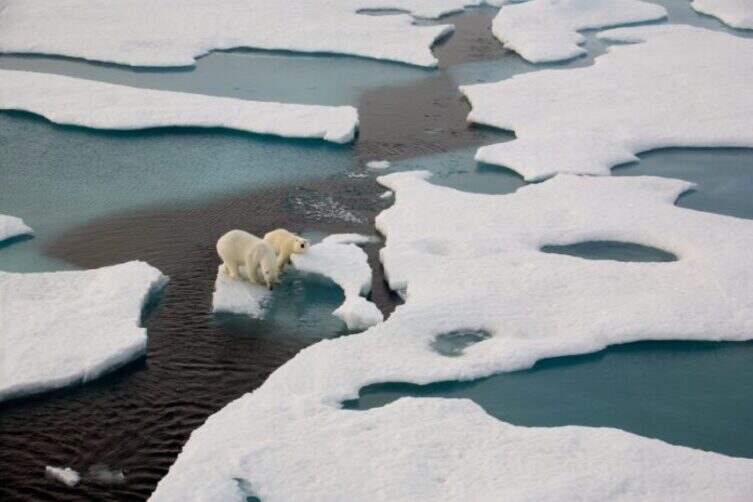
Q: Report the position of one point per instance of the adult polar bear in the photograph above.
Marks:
(238, 248)
(285, 243)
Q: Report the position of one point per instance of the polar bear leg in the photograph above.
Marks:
(231, 269)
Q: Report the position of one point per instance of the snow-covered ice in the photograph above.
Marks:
(10, 227)
(672, 85)
(63, 328)
(176, 32)
(350, 239)
(88, 103)
(735, 13)
(239, 296)
(386, 194)
(65, 475)
(378, 164)
(547, 30)
(338, 258)
(473, 262)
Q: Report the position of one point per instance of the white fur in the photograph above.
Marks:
(285, 243)
(238, 248)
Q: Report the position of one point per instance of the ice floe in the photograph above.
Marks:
(176, 32)
(386, 194)
(239, 296)
(337, 258)
(10, 227)
(350, 239)
(88, 103)
(65, 475)
(378, 164)
(587, 120)
(735, 13)
(62, 328)
(473, 262)
(547, 30)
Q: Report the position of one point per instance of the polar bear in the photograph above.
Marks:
(238, 248)
(285, 243)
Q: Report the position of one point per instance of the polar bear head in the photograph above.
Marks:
(300, 245)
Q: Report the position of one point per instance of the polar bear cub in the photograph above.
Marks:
(285, 243)
(238, 248)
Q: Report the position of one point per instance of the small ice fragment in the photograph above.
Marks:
(386, 195)
(10, 226)
(238, 296)
(65, 475)
(103, 474)
(378, 164)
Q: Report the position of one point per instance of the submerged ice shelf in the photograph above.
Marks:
(544, 31)
(10, 227)
(533, 305)
(596, 117)
(62, 328)
(176, 32)
(73, 101)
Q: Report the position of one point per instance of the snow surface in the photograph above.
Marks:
(239, 296)
(176, 32)
(587, 120)
(64, 328)
(735, 13)
(378, 164)
(350, 239)
(10, 227)
(337, 258)
(65, 475)
(547, 30)
(473, 262)
(88, 103)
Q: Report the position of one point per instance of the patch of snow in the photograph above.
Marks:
(473, 262)
(347, 265)
(176, 32)
(10, 227)
(65, 475)
(239, 296)
(735, 13)
(63, 328)
(547, 30)
(386, 195)
(378, 164)
(587, 120)
(88, 103)
(350, 239)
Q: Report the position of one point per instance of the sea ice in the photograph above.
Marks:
(386, 194)
(239, 296)
(337, 258)
(10, 227)
(472, 262)
(88, 103)
(350, 239)
(547, 30)
(63, 328)
(378, 164)
(176, 32)
(587, 120)
(735, 13)
(65, 475)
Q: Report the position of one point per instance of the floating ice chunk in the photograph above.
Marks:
(103, 474)
(350, 239)
(386, 195)
(65, 475)
(587, 120)
(442, 449)
(10, 226)
(347, 265)
(472, 263)
(239, 296)
(88, 103)
(378, 164)
(735, 13)
(547, 30)
(176, 32)
(63, 328)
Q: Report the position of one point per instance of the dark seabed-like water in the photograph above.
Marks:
(164, 196)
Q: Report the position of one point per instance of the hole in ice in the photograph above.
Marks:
(381, 12)
(247, 490)
(454, 343)
(686, 393)
(611, 250)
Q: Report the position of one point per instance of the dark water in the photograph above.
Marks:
(173, 192)
(611, 250)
